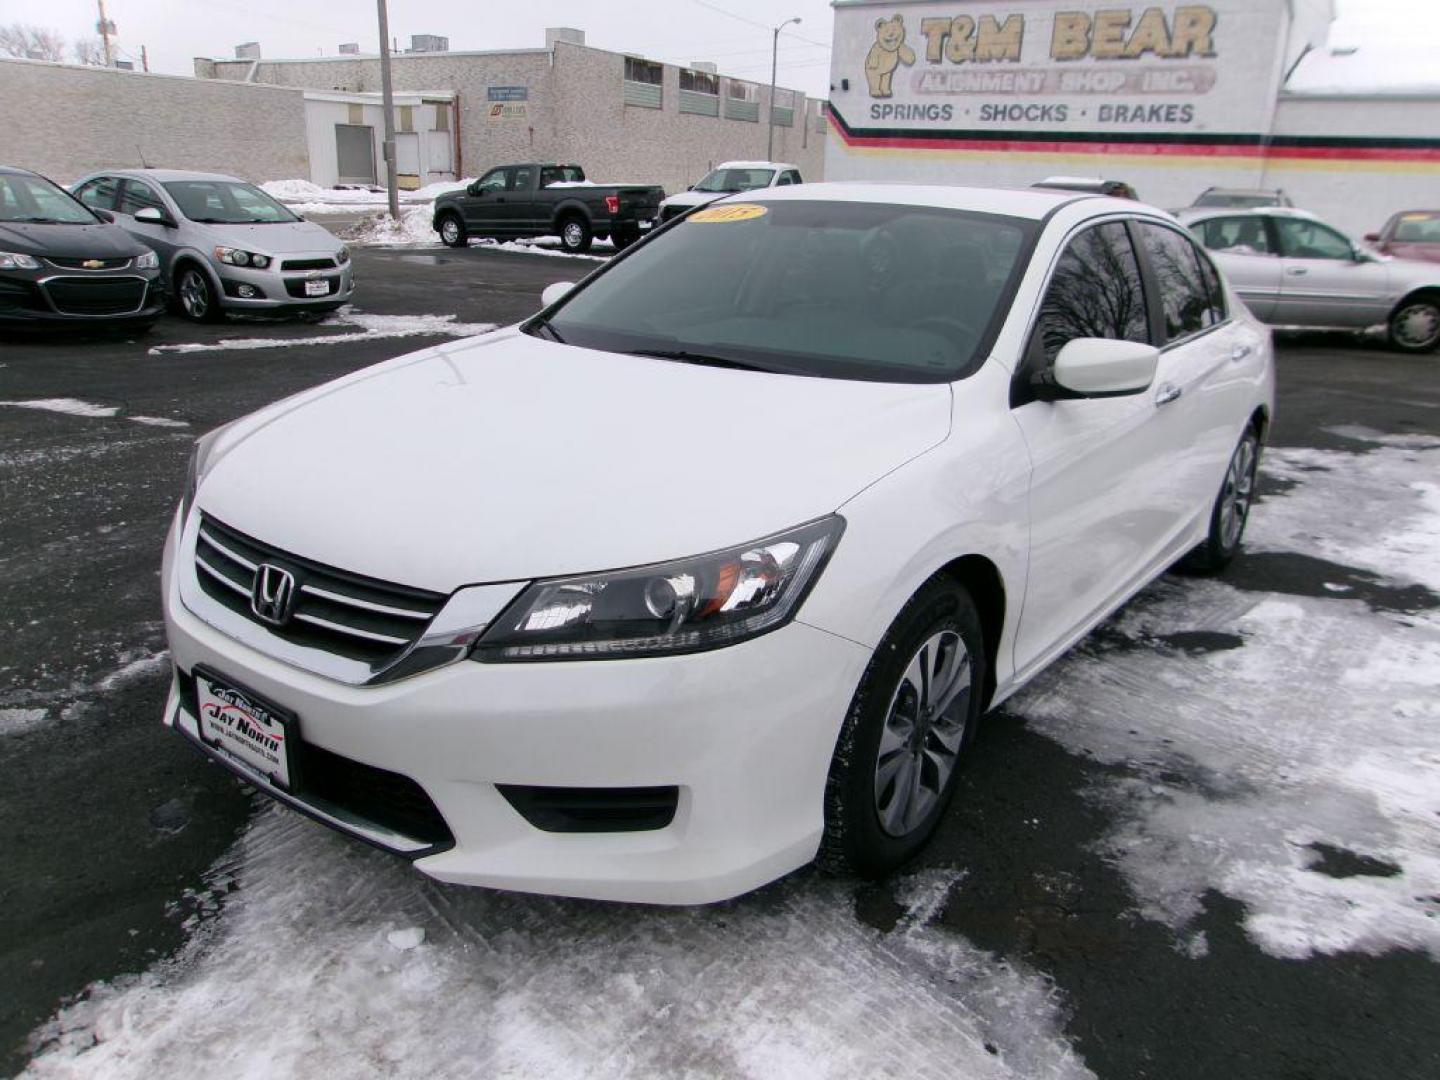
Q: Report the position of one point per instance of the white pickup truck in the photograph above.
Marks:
(730, 177)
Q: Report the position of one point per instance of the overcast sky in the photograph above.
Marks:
(733, 33)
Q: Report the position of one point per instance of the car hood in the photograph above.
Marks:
(693, 198)
(98, 241)
(279, 239)
(1418, 252)
(505, 457)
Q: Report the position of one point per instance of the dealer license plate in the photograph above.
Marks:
(317, 288)
(246, 728)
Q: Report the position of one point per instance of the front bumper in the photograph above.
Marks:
(746, 733)
(279, 290)
(53, 297)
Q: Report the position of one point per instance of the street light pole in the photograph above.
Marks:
(774, 65)
(387, 96)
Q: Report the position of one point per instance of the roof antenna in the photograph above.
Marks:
(143, 163)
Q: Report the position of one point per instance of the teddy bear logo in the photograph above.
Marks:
(888, 53)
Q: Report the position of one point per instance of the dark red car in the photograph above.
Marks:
(1410, 234)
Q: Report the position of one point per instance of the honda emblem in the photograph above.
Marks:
(273, 595)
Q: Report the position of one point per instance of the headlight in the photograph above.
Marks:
(676, 607)
(12, 260)
(343, 257)
(239, 257)
(148, 261)
(200, 462)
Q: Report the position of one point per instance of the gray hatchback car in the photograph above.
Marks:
(224, 244)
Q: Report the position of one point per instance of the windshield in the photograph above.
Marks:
(226, 202)
(845, 290)
(1238, 202)
(1418, 228)
(33, 198)
(732, 180)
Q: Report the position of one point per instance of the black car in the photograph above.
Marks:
(62, 263)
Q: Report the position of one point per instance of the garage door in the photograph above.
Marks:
(355, 153)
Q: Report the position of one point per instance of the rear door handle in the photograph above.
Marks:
(1240, 352)
(1167, 394)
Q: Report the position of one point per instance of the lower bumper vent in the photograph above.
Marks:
(594, 810)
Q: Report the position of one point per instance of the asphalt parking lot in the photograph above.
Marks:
(1207, 842)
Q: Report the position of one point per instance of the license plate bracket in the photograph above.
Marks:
(247, 728)
(317, 288)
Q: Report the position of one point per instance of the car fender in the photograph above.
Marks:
(196, 256)
(572, 205)
(966, 496)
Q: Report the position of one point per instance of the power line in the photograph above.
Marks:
(753, 22)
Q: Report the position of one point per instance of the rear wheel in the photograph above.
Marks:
(452, 231)
(911, 721)
(1231, 510)
(1415, 326)
(195, 296)
(575, 235)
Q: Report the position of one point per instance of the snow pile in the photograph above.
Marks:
(1247, 768)
(303, 197)
(414, 227)
(785, 983)
(367, 328)
(69, 406)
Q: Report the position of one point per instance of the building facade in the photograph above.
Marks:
(624, 118)
(1173, 97)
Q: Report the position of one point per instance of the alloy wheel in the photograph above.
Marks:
(1238, 493)
(573, 235)
(923, 733)
(194, 294)
(450, 231)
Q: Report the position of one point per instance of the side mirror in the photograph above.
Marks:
(1099, 367)
(104, 215)
(1372, 237)
(1360, 255)
(555, 292)
(153, 216)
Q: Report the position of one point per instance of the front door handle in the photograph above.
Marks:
(1167, 394)
(1297, 271)
(1240, 352)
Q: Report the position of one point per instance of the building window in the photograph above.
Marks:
(643, 81)
(407, 117)
(357, 115)
(442, 118)
(742, 101)
(783, 108)
(699, 93)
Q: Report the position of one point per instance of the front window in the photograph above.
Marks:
(1417, 228)
(226, 202)
(1302, 239)
(729, 181)
(841, 290)
(33, 198)
(1095, 292)
(1235, 235)
(138, 196)
(494, 180)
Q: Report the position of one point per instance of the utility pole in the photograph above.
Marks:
(387, 95)
(144, 59)
(774, 65)
(106, 28)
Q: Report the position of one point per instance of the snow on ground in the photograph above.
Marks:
(1308, 750)
(14, 721)
(70, 406)
(303, 197)
(367, 328)
(316, 951)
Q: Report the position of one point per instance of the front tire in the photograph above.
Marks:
(1415, 325)
(911, 721)
(452, 231)
(575, 235)
(195, 296)
(1231, 510)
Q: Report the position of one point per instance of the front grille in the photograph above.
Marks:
(81, 296)
(308, 264)
(296, 287)
(334, 611)
(386, 798)
(593, 810)
(81, 264)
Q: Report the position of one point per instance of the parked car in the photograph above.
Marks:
(730, 178)
(1092, 185)
(532, 639)
(224, 245)
(1410, 234)
(1242, 198)
(63, 264)
(542, 199)
(1293, 270)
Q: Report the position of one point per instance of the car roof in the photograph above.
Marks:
(1195, 213)
(1243, 191)
(1031, 203)
(755, 165)
(167, 175)
(15, 170)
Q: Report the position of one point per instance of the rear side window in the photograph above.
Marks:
(1235, 235)
(1095, 292)
(521, 178)
(1184, 294)
(99, 192)
(1213, 287)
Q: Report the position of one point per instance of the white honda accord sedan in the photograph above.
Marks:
(712, 567)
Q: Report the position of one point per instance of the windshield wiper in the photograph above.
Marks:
(685, 356)
(41, 221)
